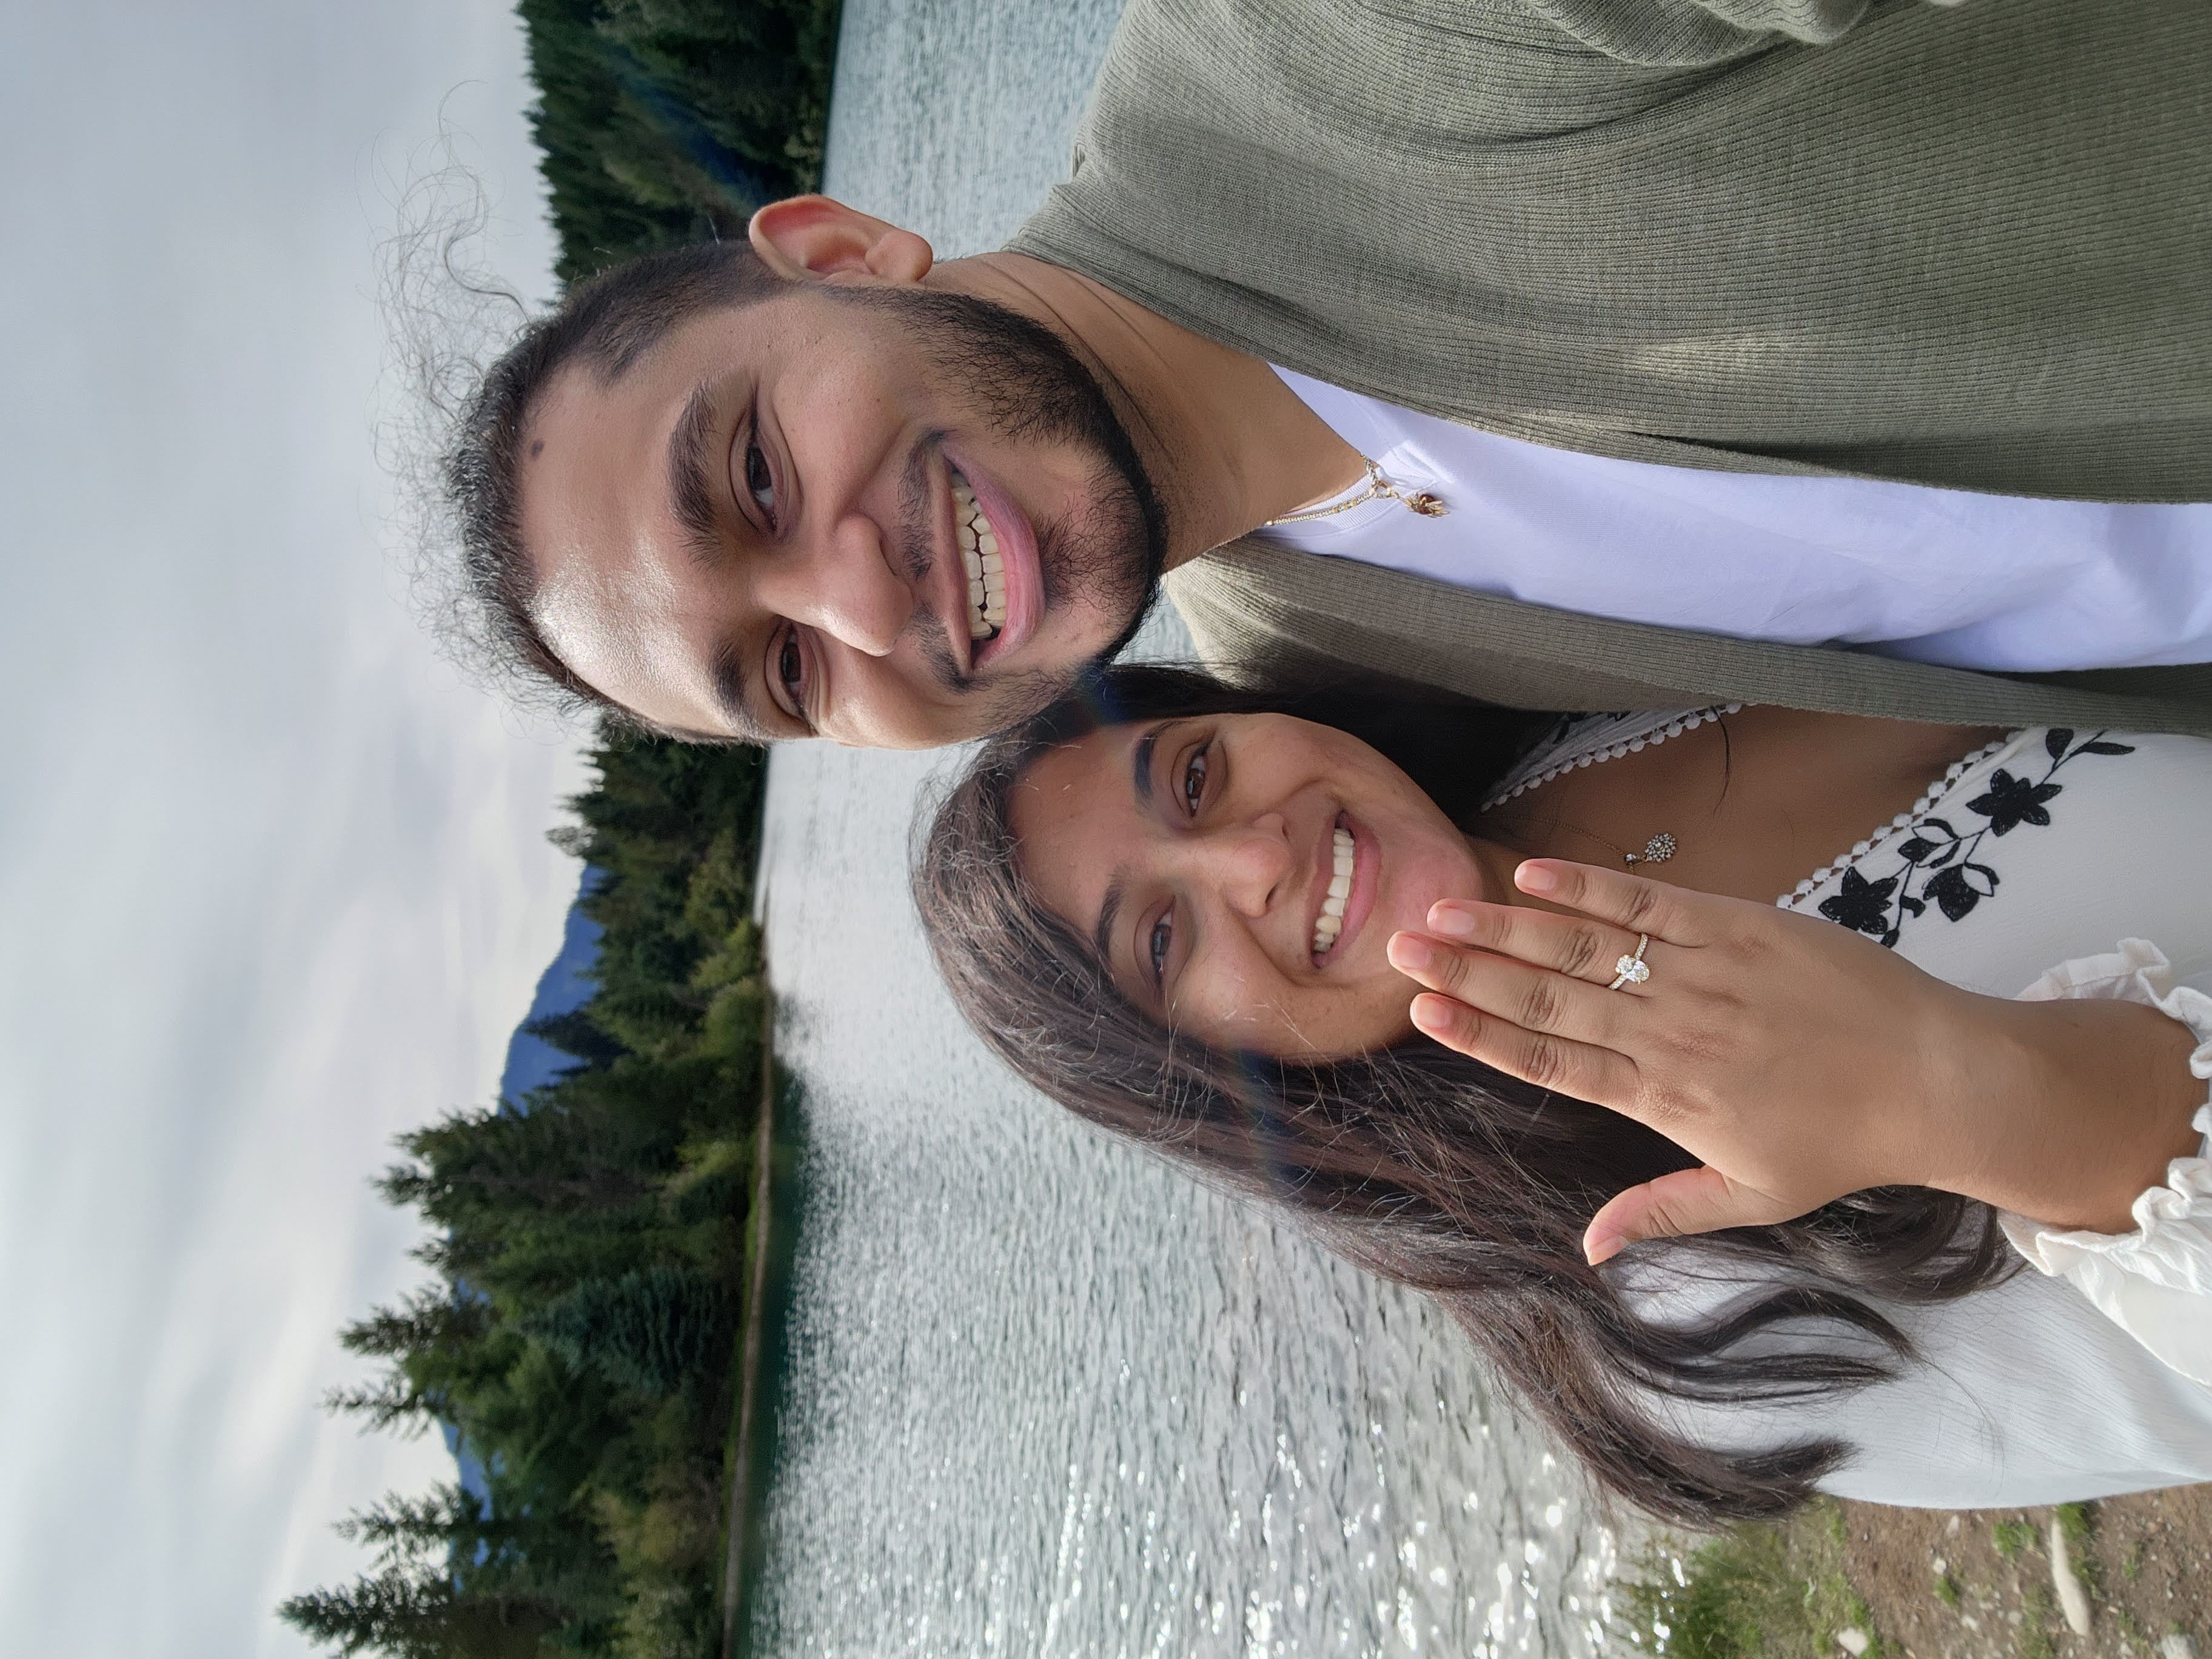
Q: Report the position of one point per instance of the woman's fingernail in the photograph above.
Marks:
(1432, 1013)
(1450, 921)
(1534, 877)
(1410, 953)
(1599, 1251)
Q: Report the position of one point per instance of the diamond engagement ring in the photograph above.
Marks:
(1633, 970)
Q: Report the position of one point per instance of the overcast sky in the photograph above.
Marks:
(273, 881)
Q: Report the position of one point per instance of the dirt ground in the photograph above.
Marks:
(1979, 1585)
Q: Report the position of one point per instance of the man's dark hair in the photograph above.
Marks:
(606, 323)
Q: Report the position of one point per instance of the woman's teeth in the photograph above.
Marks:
(1330, 922)
(979, 552)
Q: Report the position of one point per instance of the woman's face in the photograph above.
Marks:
(1199, 856)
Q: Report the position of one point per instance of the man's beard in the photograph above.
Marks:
(1027, 388)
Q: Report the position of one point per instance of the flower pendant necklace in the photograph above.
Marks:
(1427, 504)
(1657, 850)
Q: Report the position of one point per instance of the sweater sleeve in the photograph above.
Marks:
(2156, 1282)
(1691, 32)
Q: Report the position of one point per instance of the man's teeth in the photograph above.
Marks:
(979, 552)
(1330, 922)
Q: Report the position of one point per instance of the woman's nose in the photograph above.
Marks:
(1252, 863)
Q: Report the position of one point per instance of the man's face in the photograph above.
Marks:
(756, 529)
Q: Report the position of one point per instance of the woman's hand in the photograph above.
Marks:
(1798, 1060)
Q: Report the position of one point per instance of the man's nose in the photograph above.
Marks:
(839, 583)
(1252, 863)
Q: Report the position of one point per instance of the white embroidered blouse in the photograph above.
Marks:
(2051, 863)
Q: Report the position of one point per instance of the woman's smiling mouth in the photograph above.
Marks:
(1349, 895)
(1330, 922)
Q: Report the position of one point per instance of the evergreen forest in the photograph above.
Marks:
(669, 121)
(589, 1267)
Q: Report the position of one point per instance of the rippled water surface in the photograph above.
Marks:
(1044, 1396)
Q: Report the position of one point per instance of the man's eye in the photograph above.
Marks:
(791, 669)
(1156, 946)
(1193, 780)
(760, 480)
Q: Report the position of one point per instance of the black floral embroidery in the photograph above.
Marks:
(1939, 858)
(2012, 802)
(1965, 884)
(1862, 904)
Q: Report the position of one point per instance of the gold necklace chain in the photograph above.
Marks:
(1426, 503)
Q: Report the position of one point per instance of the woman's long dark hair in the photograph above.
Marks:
(1430, 1168)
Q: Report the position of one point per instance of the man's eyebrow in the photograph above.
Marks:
(727, 671)
(689, 487)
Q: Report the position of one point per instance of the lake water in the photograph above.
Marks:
(1043, 1396)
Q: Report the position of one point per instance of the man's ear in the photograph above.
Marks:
(812, 236)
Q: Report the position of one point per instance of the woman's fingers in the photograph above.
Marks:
(1699, 1200)
(1581, 1069)
(1534, 999)
(1574, 945)
(1627, 902)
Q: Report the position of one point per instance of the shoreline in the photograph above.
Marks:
(2125, 1577)
(739, 1515)
(1996, 1583)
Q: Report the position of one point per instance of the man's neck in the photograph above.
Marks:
(1228, 445)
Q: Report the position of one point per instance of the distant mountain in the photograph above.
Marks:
(565, 985)
(531, 1063)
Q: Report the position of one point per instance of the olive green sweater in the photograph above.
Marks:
(1965, 245)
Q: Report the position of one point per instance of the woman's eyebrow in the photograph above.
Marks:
(1140, 766)
(1140, 784)
(1101, 936)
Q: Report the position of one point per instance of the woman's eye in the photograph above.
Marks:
(760, 480)
(1156, 946)
(1193, 780)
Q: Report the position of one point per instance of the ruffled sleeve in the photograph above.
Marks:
(2156, 1283)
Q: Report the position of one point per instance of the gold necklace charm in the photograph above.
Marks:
(1426, 503)
(1657, 850)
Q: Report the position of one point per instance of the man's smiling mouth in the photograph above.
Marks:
(979, 555)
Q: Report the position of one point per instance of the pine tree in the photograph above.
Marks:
(668, 121)
(432, 1321)
(577, 1036)
(659, 1330)
(415, 1605)
(419, 1613)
